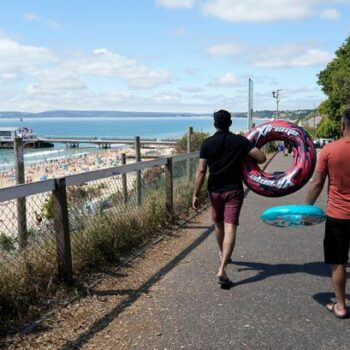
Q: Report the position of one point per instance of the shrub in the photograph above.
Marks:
(47, 209)
(197, 138)
(7, 243)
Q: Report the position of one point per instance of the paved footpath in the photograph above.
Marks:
(277, 302)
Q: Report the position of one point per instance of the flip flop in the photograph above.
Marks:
(331, 308)
(225, 282)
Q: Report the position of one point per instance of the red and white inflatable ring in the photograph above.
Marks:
(301, 170)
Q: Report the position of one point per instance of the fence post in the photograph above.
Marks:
(21, 202)
(138, 173)
(189, 150)
(124, 182)
(61, 226)
(169, 189)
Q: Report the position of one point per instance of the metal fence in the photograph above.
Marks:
(59, 227)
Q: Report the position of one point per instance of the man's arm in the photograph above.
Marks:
(258, 155)
(198, 183)
(316, 187)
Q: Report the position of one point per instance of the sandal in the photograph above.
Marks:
(331, 308)
(225, 282)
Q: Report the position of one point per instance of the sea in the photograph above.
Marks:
(146, 127)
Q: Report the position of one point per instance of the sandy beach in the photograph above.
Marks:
(60, 168)
(100, 159)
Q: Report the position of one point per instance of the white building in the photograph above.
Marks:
(8, 134)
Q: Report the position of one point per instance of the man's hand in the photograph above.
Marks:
(316, 187)
(195, 203)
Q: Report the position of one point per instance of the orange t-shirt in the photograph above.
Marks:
(334, 160)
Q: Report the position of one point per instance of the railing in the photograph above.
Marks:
(77, 202)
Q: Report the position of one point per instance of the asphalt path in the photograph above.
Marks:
(280, 288)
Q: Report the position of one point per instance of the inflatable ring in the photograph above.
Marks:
(293, 215)
(301, 170)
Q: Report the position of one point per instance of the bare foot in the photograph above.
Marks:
(338, 309)
(222, 274)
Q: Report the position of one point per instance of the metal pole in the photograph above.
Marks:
(125, 184)
(189, 150)
(138, 173)
(250, 103)
(21, 202)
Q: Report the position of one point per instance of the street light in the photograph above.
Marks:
(276, 95)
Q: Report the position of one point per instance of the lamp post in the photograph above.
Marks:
(276, 95)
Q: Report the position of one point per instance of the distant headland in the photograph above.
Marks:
(295, 114)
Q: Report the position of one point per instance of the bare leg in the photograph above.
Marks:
(227, 248)
(339, 284)
(219, 233)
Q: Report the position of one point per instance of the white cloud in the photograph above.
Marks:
(37, 79)
(291, 55)
(9, 76)
(226, 80)
(108, 64)
(31, 17)
(330, 14)
(191, 89)
(165, 98)
(263, 10)
(223, 50)
(287, 55)
(55, 82)
(174, 4)
(17, 59)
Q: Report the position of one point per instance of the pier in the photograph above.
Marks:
(107, 142)
(31, 140)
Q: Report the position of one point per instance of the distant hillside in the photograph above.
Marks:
(298, 114)
(91, 114)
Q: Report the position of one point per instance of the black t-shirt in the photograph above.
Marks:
(224, 152)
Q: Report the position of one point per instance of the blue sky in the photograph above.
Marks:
(166, 55)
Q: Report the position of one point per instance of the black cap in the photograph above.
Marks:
(222, 116)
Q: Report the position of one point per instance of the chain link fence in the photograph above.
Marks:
(108, 213)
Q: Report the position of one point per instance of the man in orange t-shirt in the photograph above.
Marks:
(334, 162)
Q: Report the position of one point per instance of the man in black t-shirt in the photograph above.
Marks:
(224, 153)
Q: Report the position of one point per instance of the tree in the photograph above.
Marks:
(197, 138)
(335, 83)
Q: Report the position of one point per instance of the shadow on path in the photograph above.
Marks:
(326, 297)
(269, 270)
(102, 323)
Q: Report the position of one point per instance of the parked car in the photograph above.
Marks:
(322, 142)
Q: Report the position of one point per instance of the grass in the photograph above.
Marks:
(28, 278)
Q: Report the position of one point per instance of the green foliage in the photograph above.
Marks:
(7, 243)
(153, 175)
(328, 127)
(105, 236)
(47, 209)
(310, 130)
(335, 83)
(197, 138)
(76, 195)
(270, 147)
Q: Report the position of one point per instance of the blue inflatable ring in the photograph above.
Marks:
(293, 215)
